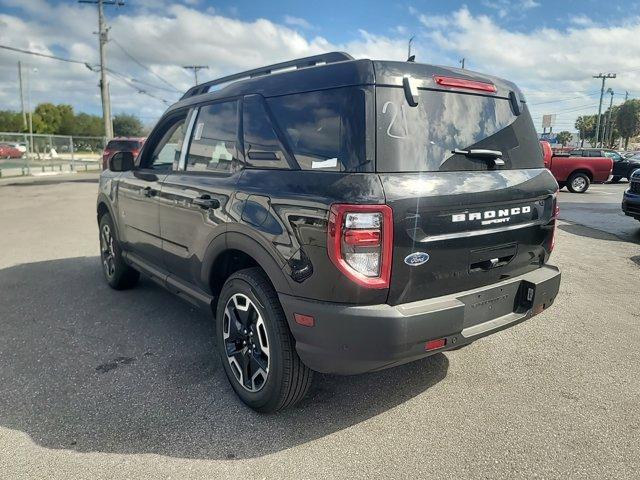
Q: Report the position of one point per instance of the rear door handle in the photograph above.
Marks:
(206, 202)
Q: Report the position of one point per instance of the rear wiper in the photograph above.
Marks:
(495, 156)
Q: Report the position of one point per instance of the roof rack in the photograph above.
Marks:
(331, 57)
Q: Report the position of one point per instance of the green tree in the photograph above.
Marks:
(628, 120)
(586, 126)
(88, 125)
(67, 120)
(125, 125)
(564, 137)
(49, 116)
(11, 121)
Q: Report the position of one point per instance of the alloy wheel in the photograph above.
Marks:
(246, 342)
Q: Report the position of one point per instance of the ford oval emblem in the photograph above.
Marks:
(417, 258)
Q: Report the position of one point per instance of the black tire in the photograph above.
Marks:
(616, 179)
(118, 274)
(578, 182)
(561, 185)
(287, 378)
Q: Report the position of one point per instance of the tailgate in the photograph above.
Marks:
(476, 228)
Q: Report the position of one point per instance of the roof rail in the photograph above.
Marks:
(331, 57)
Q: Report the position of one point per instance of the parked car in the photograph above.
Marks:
(630, 153)
(22, 146)
(625, 167)
(121, 144)
(9, 151)
(576, 172)
(631, 197)
(338, 215)
(622, 167)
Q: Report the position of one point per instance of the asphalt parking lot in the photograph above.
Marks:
(104, 384)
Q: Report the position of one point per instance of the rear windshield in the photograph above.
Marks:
(123, 145)
(418, 139)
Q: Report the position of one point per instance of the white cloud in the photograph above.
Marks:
(297, 22)
(162, 39)
(547, 63)
(506, 8)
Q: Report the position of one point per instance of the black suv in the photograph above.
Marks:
(338, 215)
(623, 167)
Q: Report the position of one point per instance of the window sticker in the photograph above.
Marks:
(328, 163)
(198, 133)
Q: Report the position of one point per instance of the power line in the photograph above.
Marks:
(134, 59)
(141, 82)
(572, 109)
(564, 99)
(93, 68)
(129, 82)
(54, 57)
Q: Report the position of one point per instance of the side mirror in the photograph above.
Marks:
(121, 162)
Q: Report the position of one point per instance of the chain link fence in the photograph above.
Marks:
(41, 154)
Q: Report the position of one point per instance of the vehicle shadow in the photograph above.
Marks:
(86, 368)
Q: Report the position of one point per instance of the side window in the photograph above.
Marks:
(213, 141)
(261, 144)
(575, 153)
(167, 152)
(325, 129)
(595, 153)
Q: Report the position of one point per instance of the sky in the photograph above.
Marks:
(551, 49)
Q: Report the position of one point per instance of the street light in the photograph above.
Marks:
(34, 70)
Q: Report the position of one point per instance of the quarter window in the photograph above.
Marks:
(213, 140)
(262, 147)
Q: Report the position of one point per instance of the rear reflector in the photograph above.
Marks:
(435, 344)
(304, 320)
(364, 238)
(465, 84)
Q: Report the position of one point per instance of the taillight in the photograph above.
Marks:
(465, 84)
(360, 243)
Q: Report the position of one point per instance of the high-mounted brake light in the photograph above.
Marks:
(465, 84)
(360, 243)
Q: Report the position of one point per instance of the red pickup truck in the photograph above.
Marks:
(576, 173)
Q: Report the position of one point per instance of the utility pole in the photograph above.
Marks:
(609, 124)
(461, 61)
(604, 77)
(103, 36)
(30, 115)
(195, 69)
(24, 114)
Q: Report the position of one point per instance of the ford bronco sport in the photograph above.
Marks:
(338, 215)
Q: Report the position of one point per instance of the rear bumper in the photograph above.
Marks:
(348, 339)
(631, 204)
